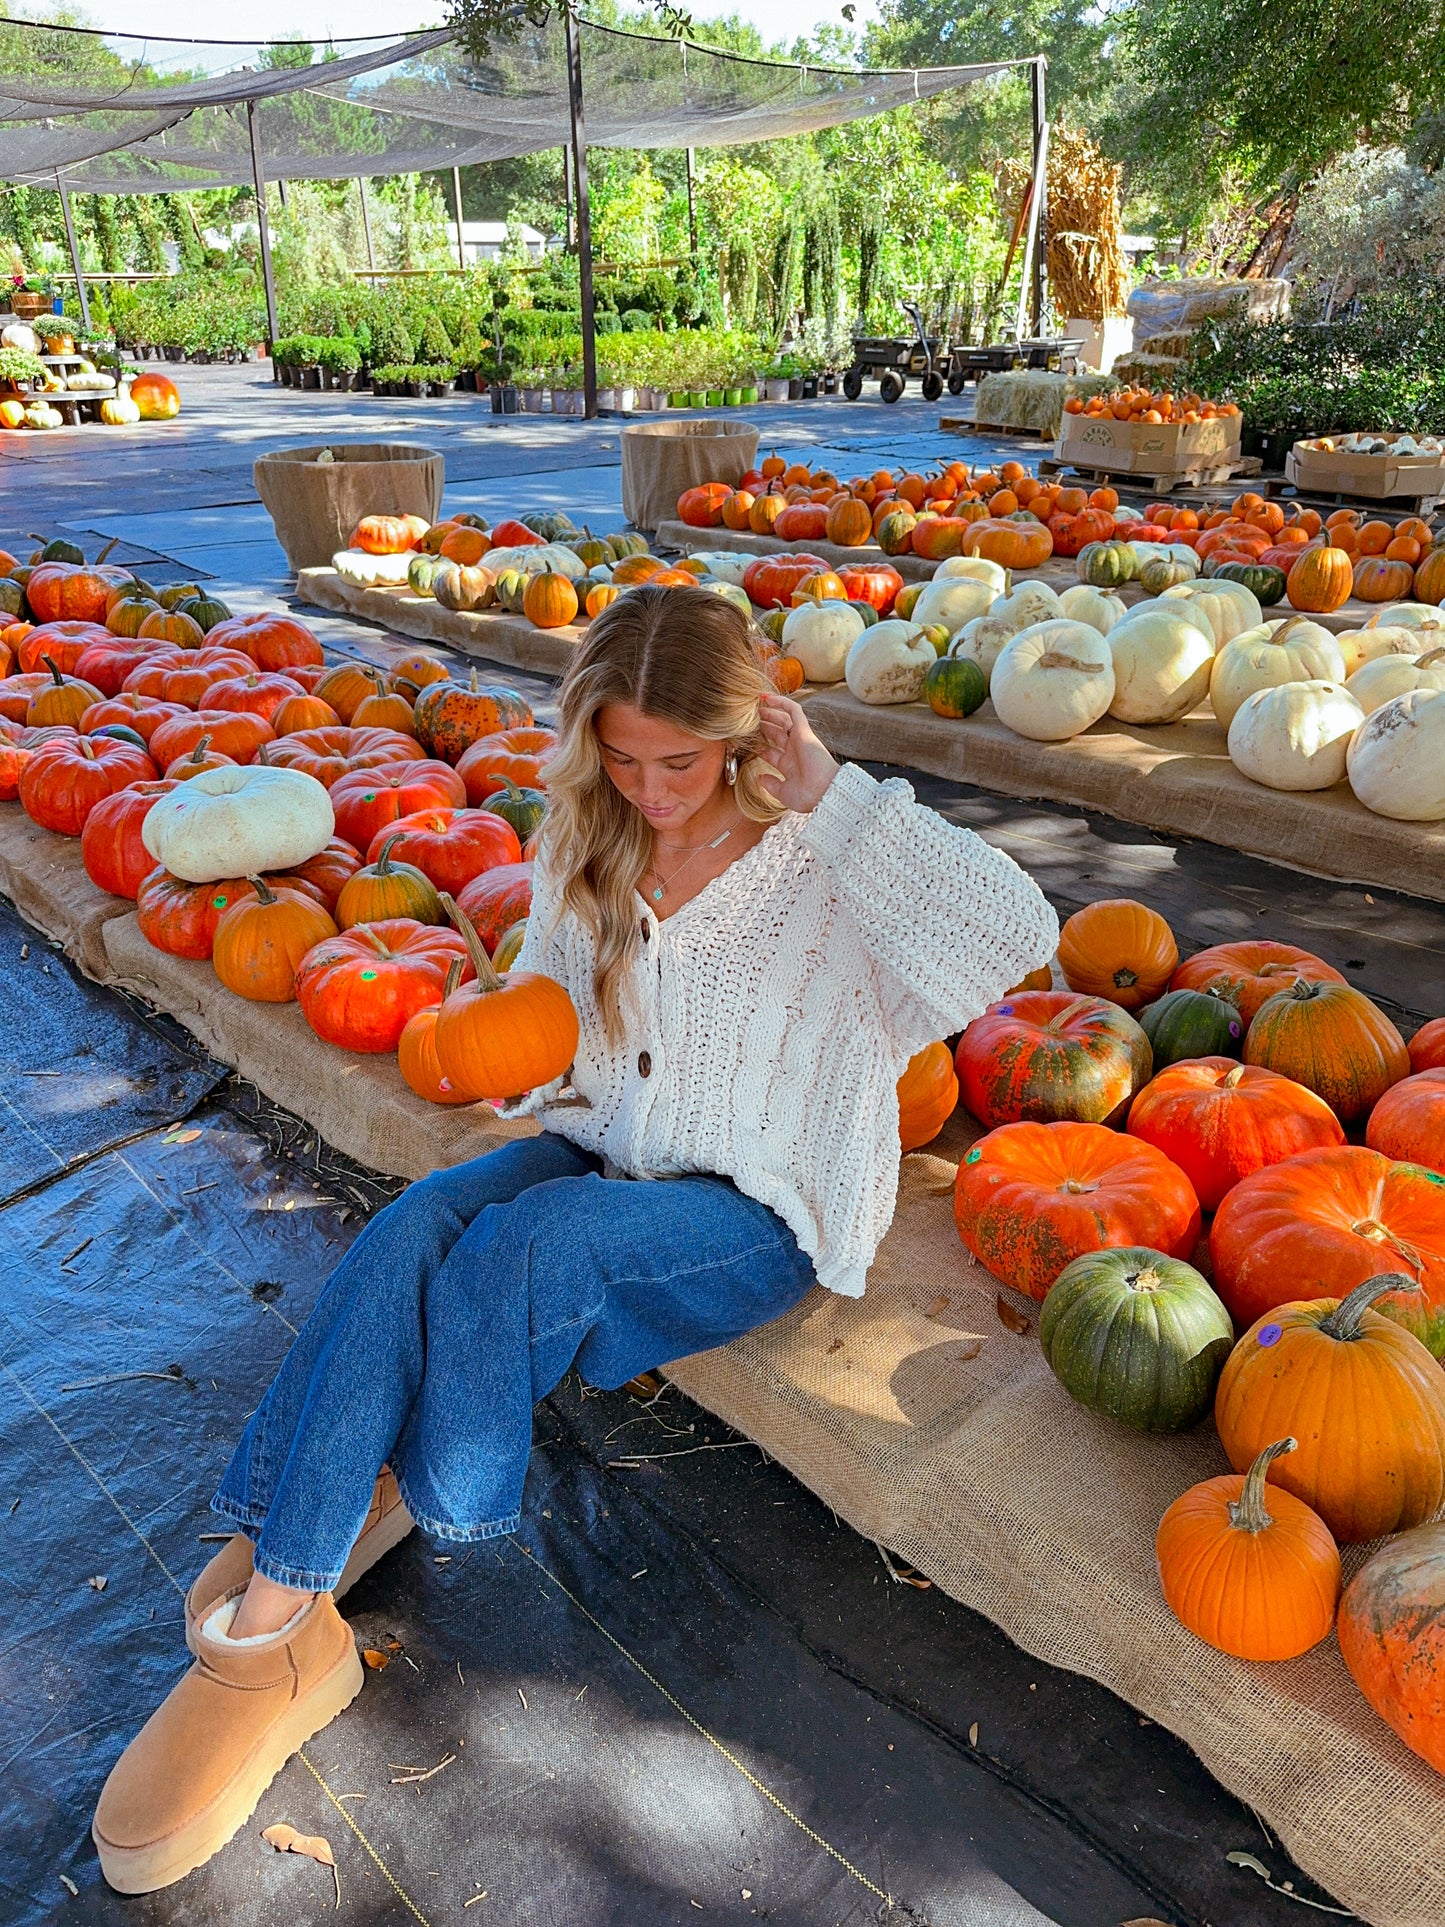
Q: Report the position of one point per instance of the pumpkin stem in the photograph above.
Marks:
(105, 552)
(1249, 1513)
(264, 892)
(1145, 1280)
(1344, 1321)
(1281, 634)
(453, 977)
(487, 978)
(49, 662)
(1232, 1080)
(383, 865)
(198, 754)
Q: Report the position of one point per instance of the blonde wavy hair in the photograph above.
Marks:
(683, 656)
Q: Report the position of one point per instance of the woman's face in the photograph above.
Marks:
(662, 771)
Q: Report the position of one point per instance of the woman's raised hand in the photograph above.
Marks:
(805, 769)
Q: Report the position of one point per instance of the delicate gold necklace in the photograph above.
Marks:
(664, 883)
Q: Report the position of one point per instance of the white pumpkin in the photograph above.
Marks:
(1100, 608)
(1288, 649)
(1360, 646)
(238, 822)
(887, 663)
(725, 564)
(820, 634)
(1380, 681)
(1407, 615)
(1295, 737)
(981, 640)
(1230, 607)
(1163, 654)
(537, 558)
(1396, 758)
(20, 334)
(371, 571)
(1053, 680)
(952, 602)
(1029, 603)
(978, 568)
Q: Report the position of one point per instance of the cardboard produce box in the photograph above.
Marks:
(1341, 471)
(1147, 448)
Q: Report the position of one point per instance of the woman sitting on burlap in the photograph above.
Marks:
(756, 941)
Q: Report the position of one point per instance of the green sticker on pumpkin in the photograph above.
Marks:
(368, 976)
(974, 1155)
(219, 903)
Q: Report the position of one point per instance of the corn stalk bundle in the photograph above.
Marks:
(1088, 275)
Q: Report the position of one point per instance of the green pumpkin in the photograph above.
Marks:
(523, 809)
(954, 686)
(625, 545)
(511, 590)
(62, 551)
(866, 612)
(1161, 572)
(1137, 1337)
(591, 550)
(422, 572)
(120, 733)
(1191, 1023)
(772, 624)
(12, 597)
(179, 592)
(1108, 565)
(205, 611)
(551, 524)
(1262, 578)
(732, 592)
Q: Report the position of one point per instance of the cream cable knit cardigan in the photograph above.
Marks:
(768, 1020)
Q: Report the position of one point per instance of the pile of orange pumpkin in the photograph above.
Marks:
(1152, 406)
(1253, 1087)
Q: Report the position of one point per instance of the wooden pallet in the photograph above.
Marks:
(1202, 477)
(959, 425)
(1398, 506)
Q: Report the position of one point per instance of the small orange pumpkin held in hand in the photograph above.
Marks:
(1249, 1569)
(498, 1037)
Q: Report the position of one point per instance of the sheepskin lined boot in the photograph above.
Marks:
(387, 1524)
(193, 1774)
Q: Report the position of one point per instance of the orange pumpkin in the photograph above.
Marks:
(1427, 1046)
(262, 938)
(1364, 1399)
(1118, 949)
(1248, 974)
(156, 396)
(416, 1050)
(1029, 1198)
(1409, 1121)
(347, 685)
(384, 711)
(849, 522)
(411, 674)
(763, 513)
(500, 1036)
(1332, 1039)
(1043, 1055)
(1013, 545)
(1392, 1637)
(169, 625)
(802, 522)
(1378, 579)
(388, 534)
(63, 699)
(786, 674)
(633, 569)
(1220, 1121)
(1252, 1574)
(927, 1096)
(702, 507)
(303, 712)
(935, 537)
(1322, 579)
(235, 733)
(550, 601)
(1329, 1219)
(1430, 578)
(737, 508)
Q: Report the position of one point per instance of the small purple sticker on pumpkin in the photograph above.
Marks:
(1270, 1334)
(1005, 1010)
(1235, 1027)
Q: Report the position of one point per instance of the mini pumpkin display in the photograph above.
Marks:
(1332, 1039)
(1136, 1336)
(1362, 1396)
(1119, 949)
(1392, 1637)
(1219, 1121)
(1031, 1197)
(358, 990)
(1048, 1055)
(500, 1036)
(1249, 1569)
(262, 938)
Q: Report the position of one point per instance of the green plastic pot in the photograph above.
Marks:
(749, 397)
(696, 398)
(732, 397)
(714, 397)
(678, 398)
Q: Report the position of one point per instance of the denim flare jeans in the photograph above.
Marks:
(461, 1305)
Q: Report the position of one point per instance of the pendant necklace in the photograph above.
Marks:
(664, 883)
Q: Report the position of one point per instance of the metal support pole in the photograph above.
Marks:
(366, 223)
(74, 252)
(1030, 283)
(281, 190)
(259, 176)
(584, 214)
(567, 196)
(692, 201)
(1041, 194)
(457, 197)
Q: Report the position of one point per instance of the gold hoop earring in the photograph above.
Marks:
(730, 768)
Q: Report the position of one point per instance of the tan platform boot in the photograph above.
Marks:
(193, 1774)
(387, 1524)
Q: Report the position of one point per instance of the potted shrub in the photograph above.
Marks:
(20, 371)
(531, 389)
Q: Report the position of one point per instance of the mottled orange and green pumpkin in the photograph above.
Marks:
(1043, 1055)
(450, 716)
(1392, 1637)
(1333, 1040)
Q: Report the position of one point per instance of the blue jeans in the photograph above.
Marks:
(460, 1306)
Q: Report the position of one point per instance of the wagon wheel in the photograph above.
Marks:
(932, 385)
(853, 383)
(955, 384)
(890, 386)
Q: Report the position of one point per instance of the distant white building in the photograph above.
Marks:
(487, 240)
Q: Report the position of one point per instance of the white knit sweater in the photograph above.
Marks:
(768, 1020)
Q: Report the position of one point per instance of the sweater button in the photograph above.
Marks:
(646, 930)
(644, 1064)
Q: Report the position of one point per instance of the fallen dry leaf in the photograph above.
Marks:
(1014, 1321)
(973, 1734)
(972, 1346)
(1143, 1921)
(98, 1583)
(287, 1840)
(938, 1307)
(836, 1346)
(378, 1662)
(180, 1137)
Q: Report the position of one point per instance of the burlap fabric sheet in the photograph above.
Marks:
(491, 634)
(315, 505)
(1177, 779)
(661, 459)
(928, 1425)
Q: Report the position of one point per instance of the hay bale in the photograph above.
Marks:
(1033, 398)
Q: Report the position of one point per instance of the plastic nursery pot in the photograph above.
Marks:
(795, 388)
(732, 397)
(748, 397)
(810, 389)
(678, 398)
(714, 398)
(696, 398)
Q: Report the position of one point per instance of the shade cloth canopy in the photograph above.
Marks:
(118, 114)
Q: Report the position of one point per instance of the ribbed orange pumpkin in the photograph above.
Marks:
(1044, 1055)
(1362, 1396)
(1430, 578)
(849, 523)
(1025, 544)
(702, 507)
(262, 938)
(1118, 949)
(927, 1096)
(1220, 1121)
(1333, 1040)
(1392, 1637)
(169, 625)
(1250, 1572)
(347, 685)
(736, 509)
(1409, 1121)
(1321, 580)
(550, 601)
(500, 1036)
(1248, 974)
(764, 513)
(416, 1050)
(1427, 1046)
(1378, 579)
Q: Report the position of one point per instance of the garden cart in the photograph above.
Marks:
(893, 358)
